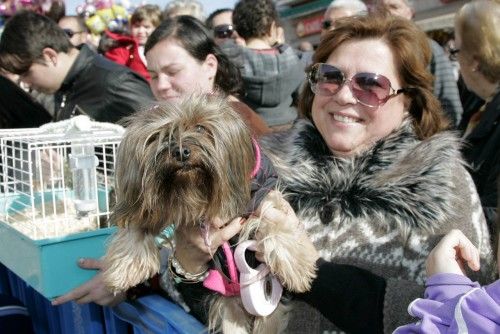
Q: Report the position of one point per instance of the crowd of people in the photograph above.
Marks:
(392, 177)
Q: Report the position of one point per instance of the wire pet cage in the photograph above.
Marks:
(56, 192)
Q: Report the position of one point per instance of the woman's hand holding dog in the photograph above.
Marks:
(191, 248)
(93, 290)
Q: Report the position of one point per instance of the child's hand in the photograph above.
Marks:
(451, 254)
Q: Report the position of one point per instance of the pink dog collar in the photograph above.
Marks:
(218, 282)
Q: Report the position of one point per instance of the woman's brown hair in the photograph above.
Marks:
(412, 54)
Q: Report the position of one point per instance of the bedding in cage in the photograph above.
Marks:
(56, 195)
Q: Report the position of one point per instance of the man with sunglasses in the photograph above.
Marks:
(75, 28)
(37, 49)
(221, 23)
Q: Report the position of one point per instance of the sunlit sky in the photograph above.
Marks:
(208, 5)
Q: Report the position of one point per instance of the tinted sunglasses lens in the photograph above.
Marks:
(326, 79)
(69, 32)
(370, 89)
(223, 31)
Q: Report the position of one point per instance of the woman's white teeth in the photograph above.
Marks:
(344, 119)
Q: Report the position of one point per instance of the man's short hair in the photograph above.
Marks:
(79, 21)
(210, 19)
(25, 36)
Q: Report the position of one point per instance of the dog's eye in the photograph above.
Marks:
(200, 129)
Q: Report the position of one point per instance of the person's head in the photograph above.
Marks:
(305, 46)
(183, 58)
(184, 7)
(56, 11)
(36, 48)
(143, 21)
(75, 28)
(401, 8)
(477, 39)
(341, 8)
(255, 18)
(221, 23)
(375, 77)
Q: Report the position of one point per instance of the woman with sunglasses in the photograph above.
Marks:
(220, 22)
(373, 177)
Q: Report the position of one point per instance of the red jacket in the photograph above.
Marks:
(126, 53)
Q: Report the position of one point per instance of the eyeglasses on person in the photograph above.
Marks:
(223, 31)
(453, 53)
(369, 89)
(70, 33)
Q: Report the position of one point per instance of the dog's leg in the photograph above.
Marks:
(228, 315)
(284, 244)
(274, 323)
(131, 258)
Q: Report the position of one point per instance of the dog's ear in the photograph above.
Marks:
(128, 178)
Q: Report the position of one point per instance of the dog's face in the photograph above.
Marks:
(183, 164)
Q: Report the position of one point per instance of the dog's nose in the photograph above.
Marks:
(181, 154)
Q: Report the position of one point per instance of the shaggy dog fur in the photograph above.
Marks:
(186, 164)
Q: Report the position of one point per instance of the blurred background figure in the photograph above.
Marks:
(271, 69)
(183, 59)
(477, 49)
(445, 86)
(184, 7)
(305, 46)
(128, 49)
(83, 82)
(76, 29)
(341, 8)
(448, 47)
(220, 22)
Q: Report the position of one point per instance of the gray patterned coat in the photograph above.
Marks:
(383, 210)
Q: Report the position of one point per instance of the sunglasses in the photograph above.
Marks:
(326, 24)
(369, 89)
(223, 31)
(70, 33)
(453, 53)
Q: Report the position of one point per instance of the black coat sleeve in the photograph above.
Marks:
(352, 298)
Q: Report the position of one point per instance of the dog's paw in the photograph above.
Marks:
(291, 260)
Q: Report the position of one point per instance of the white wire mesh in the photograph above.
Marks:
(37, 190)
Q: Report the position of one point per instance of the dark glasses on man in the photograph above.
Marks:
(369, 89)
(326, 24)
(223, 31)
(453, 53)
(70, 33)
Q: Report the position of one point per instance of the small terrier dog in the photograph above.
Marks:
(185, 164)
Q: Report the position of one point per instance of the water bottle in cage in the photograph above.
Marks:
(83, 162)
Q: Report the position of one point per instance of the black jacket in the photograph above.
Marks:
(482, 152)
(102, 89)
(18, 109)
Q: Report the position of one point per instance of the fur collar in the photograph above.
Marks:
(401, 182)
